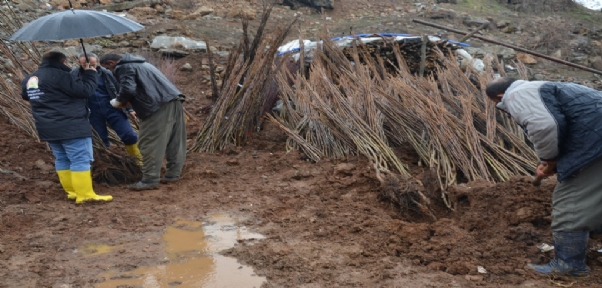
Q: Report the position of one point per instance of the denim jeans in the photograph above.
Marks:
(72, 154)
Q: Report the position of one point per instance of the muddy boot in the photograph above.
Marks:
(65, 179)
(571, 252)
(140, 186)
(167, 179)
(82, 184)
(134, 151)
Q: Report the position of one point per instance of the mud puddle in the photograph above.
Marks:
(191, 258)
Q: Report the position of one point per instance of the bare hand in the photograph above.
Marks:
(87, 66)
(133, 114)
(546, 168)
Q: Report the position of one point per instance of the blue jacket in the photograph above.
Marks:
(59, 102)
(110, 82)
(562, 120)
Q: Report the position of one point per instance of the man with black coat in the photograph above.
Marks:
(59, 107)
(158, 105)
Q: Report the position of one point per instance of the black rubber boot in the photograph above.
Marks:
(571, 252)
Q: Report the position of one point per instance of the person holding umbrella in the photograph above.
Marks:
(59, 107)
(101, 111)
(158, 104)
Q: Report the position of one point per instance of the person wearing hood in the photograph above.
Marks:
(564, 123)
(158, 105)
(101, 111)
(60, 111)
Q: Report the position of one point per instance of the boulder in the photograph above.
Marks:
(186, 67)
(127, 5)
(328, 4)
(171, 52)
(441, 14)
(502, 24)
(509, 29)
(475, 22)
(180, 43)
(526, 58)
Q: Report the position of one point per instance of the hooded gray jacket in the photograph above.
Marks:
(563, 120)
(143, 86)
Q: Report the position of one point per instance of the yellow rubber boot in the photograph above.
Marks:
(65, 179)
(82, 184)
(134, 151)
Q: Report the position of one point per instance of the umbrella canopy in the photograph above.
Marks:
(74, 24)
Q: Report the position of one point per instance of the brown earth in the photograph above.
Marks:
(325, 224)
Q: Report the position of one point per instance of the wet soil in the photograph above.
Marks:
(325, 223)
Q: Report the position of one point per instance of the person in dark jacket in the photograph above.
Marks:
(158, 104)
(564, 123)
(101, 111)
(59, 106)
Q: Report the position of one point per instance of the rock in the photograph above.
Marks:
(475, 22)
(40, 164)
(27, 5)
(178, 14)
(539, 77)
(580, 42)
(501, 51)
(160, 8)
(204, 10)
(106, 2)
(124, 5)
(476, 278)
(526, 58)
(502, 24)
(328, 4)
(186, 67)
(243, 12)
(441, 14)
(557, 53)
(73, 51)
(64, 4)
(165, 42)
(174, 52)
(509, 29)
(448, 1)
(142, 12)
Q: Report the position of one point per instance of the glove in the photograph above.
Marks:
(116, 103)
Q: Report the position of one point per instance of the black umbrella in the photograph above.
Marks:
(73, 24)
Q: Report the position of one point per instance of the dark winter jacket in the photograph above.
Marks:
(59, 101)
(110, 82)
(563, 120)
(143, 85)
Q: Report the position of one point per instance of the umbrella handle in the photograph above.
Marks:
(81, 41)
(70, 6)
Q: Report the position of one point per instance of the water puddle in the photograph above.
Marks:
(192, 259)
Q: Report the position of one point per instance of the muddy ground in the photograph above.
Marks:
(325, 224)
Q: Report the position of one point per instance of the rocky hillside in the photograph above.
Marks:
(559, 28)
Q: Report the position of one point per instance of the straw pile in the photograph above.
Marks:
(367, 99)
(249, 73)
(341, 109)
(23, 58)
